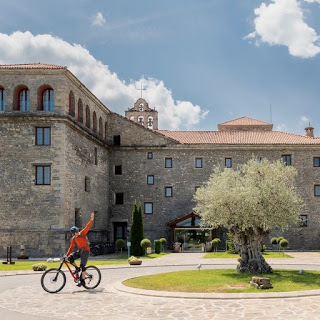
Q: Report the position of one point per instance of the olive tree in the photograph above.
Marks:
(250, 201)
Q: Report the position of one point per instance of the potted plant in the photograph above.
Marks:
(134, 261)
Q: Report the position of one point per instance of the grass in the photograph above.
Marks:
(116, 259)
(218, 280)
(222, 255)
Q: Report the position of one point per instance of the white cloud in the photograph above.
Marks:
(281, 127)
(281, 23)
(116, 94)
(304, 119)
(311, 1)
(98, 19)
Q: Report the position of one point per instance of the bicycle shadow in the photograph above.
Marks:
(93, 291)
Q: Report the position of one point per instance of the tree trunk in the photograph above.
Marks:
(249, 244)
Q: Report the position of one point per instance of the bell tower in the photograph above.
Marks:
(142, 114)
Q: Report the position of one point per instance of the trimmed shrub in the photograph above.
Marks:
(137, 230)
(120, 244)
(145, 243)
(39, 267)
(279, 240)
(215, 243)
(163, 243)
(230, 244)
(157, 246)
(284, 243)
(264, 248)
(274, 241)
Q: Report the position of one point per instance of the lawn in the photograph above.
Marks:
(219, 280)
(222, 255)
(116, 259)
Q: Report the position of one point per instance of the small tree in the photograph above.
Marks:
(274, 241)
(284, 244)
(145, 243)
(215, 243)
(278, 243)
(163, 243)
(137, 230)
(249, 201)
(120, 244)
(157, 246)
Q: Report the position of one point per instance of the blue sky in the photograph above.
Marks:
(202, 62)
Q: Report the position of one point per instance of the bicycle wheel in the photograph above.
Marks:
(93, 277)
(53, 280)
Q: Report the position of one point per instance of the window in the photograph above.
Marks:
(286, 159)
(105, 130)
(198, 162)
(86, 184)
(168, 191)
(43, 136)
(149, 155)
(317, 190)
(168, 162)
(118, 170)
(100, 132)
(94, 122)
(24, 100)
(148, 207)
(150, 179)
(118, 198)
(43, 175)
(150, 122)
(116, 140)
(303, 220)
(87, 117)
(316, 161)
(140, 120)
(2, 99)
(48, 100)
(80, 111)
(71, 104)
(96, 156)
(228, 162)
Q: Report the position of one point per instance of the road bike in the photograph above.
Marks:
(53, 280)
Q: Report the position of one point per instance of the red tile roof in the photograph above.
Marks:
(245, 121)
(38, 65)
(239, 137)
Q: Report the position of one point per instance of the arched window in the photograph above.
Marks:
(71, 104)
(105, 131)
(94, 122)
(150, 122)
(2, 99)
(87, 116)
(100, 128)
(140, 120)
(46, 98)
(22, 98)
(80, 111)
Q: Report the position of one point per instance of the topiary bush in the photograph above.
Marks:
(145, 243)
(264, 248)
(39, 267)
(284, 244)
(163, 243)
(274, 241)
(157, 246)
(137, 230)
(120, 244)
(215, 243)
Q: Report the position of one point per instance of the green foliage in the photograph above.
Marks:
(157, 246)
(137, 230)
(284, 243)
(145, 243)
(274, 241)
(39, 267)
(163, 243)
(279, 240)
(264, 248)
(215, 242)
(120, 244)
(257, 194)
(230, 243)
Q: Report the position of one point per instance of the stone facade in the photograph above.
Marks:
(105, 164)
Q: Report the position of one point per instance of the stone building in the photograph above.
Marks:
(65, 154)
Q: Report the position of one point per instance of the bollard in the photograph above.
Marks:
(9, 256)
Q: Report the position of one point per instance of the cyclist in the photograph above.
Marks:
(80, 239)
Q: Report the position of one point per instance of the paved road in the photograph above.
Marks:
(22, 298)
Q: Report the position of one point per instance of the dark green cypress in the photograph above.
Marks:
(137, 230)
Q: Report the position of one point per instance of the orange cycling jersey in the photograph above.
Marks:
(81, 240)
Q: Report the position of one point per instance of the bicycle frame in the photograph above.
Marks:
(75, 276)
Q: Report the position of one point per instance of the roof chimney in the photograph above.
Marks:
(309, 131)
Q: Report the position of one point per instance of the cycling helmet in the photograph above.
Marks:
(74, 229)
